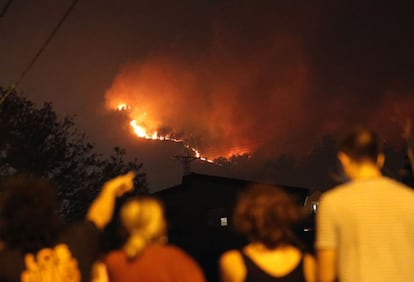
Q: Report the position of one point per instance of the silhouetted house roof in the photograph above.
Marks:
(199, 215)
(220, 189)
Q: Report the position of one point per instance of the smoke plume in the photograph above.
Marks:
(259, 81)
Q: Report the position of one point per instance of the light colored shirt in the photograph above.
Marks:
(370, 225)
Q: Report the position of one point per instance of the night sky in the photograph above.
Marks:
(257, 77)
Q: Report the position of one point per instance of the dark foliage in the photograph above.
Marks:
(34, 140)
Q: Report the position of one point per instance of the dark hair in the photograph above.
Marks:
(267, 214)
(28, 219)
(360, 144)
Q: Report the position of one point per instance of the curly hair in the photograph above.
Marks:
(28, 219)
(267, 214)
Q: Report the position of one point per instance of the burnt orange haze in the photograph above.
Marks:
(242, 90)
(161, 115)
(261, 97)
(219, 105)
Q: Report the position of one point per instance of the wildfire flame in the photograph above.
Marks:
(140, 131)
(123, 106)
(145, 133)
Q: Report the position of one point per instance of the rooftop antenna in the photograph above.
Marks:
(186, 160)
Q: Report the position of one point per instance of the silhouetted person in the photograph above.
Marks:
(146, 256)
(37, 246)
(266, 215)
(365, 227)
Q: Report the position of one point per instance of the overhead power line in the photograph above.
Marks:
(47, 41)
(12, 87)
(5, 8)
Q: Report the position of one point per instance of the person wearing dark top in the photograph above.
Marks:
(255, 273)
(267, 215)
(36, 245)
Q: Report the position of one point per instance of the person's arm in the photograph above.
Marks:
(326, 269)
(232, 268)
(309, 268)
(101, 209)
(326, 240)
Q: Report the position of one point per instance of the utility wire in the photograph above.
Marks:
(12, 87)
(5, 8)
(47, 41)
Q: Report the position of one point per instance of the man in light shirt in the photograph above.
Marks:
(365, 227)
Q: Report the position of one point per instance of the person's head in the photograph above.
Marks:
(267, 215)
(28, 219)
(143, 218)
(359, 146)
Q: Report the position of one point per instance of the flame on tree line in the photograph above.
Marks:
(142, 132)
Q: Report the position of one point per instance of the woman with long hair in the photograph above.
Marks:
(146, 256)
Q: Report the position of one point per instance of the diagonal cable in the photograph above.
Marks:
(5, 8)
(47, 41)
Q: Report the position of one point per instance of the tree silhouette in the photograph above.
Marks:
(34, 140)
